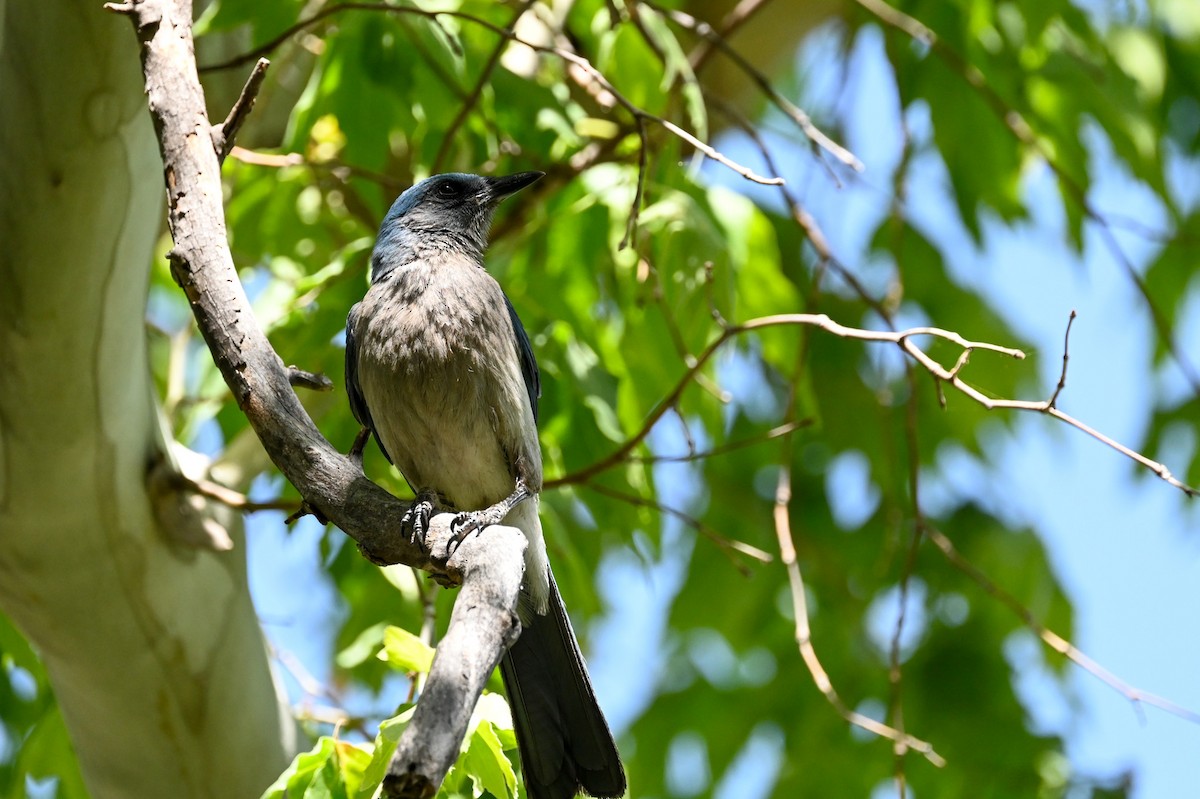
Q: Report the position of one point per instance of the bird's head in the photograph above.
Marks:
(442, 211)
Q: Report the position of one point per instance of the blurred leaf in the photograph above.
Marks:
(264, 21)
(404, 651)
(308, 772)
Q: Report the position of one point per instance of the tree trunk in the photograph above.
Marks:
(152, 645)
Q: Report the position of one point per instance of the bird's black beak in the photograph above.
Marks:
(499, 188)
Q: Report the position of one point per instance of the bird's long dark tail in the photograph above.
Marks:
(565, 743)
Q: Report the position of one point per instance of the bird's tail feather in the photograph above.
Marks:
(565, 742)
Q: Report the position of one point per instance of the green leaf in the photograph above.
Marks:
(264, 20)
(375, 770)
(364, 646)
(487, 764)
(405, 652)
(305, 769)
(48, 753)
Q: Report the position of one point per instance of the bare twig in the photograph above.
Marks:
(787, 548)
(481, 83)
(903, 339)
(340, 169)
(746, 172)
(636, 205)
(313, 381)
(738, 16)
(224, 134)
(801, 119)
(1049, 637)
(232, 499)
(732, 446)
(1062, 378)
(728, 545)
(912, 446)
(805, 221)
(817, 320)
(565, 55)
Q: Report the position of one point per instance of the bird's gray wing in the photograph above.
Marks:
(358, 403)
(529, 367)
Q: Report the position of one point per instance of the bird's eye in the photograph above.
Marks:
(447, 190)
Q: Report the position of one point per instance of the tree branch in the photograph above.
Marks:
(904, 340)
(714, 40)
(483, 625)
(203, 266)
(787, 551)
(489, 567)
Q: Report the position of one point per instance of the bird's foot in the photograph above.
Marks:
(463, 524)
(416, 519)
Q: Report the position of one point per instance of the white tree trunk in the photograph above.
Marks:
(152, 646)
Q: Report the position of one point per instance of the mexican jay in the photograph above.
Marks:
(439, 367)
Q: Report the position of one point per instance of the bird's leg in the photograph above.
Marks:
(417, 517)
(360, 443)
(466, 523)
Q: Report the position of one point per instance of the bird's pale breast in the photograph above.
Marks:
(450, 409)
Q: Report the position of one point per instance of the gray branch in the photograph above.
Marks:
(482, 627)
(489, 566)
(201, 263)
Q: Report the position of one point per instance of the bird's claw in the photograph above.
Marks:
(417, 517)
(463, 524)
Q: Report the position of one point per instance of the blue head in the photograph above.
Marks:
(450, 212)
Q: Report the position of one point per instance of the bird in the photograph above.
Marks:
(441, 371)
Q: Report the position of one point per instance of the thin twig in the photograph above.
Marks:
(787, 548)
(817, 320)
(636, 207)
(902, 338)
(729, 546)
(224, 134)
(1019, 127)
(738, 16)
(647, 273)
(427, 590)
(732, 446)
(895, 669)
(1062, 378)
(230, 498)
(712, 153)
(793, 112)
(565, 55)
(1049, 637)
(476, 92)
(313, 381)
(283, 160)
(812, 231)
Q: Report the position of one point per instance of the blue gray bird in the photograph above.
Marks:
(439, 367)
